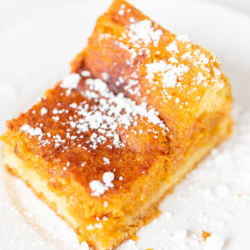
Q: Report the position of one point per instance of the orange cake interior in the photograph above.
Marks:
(141, 108)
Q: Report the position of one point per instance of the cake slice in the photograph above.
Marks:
(104, 155)
(179, 79)
(96, 158)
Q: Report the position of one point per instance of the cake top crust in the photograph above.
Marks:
(82, 129)
(150, 64)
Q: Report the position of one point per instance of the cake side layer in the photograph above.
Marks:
(214, 124)
(104, 238)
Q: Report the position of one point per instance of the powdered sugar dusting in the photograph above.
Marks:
(108, 177)
(183, 38)
(140, 34)
(108, 112)
(147, 43)
(177, 66)
(31, 131)
(43, 111)
(143, 31)
(106, 160)
(169, 72)
(70, 81)
(98, 188)
(172, 47)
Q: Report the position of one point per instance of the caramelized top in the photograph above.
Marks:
(150, 64)
(80, 128)
(107, 141)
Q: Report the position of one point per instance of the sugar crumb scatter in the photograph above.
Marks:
(183, 59)
(102, 118)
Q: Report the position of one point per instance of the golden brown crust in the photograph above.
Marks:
(129, 162)
(179, 92)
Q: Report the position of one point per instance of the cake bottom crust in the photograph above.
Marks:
(132, 224)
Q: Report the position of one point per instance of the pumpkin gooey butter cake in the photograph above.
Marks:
(140, 109)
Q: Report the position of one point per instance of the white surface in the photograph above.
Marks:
(36, 54)
(13, 12)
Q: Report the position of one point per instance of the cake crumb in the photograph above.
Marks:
(134, 238)
(205, 235)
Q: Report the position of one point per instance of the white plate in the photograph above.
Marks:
(36, 54)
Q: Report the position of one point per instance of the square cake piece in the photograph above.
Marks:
(104, 155)
(179, 79)
(96, 158)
